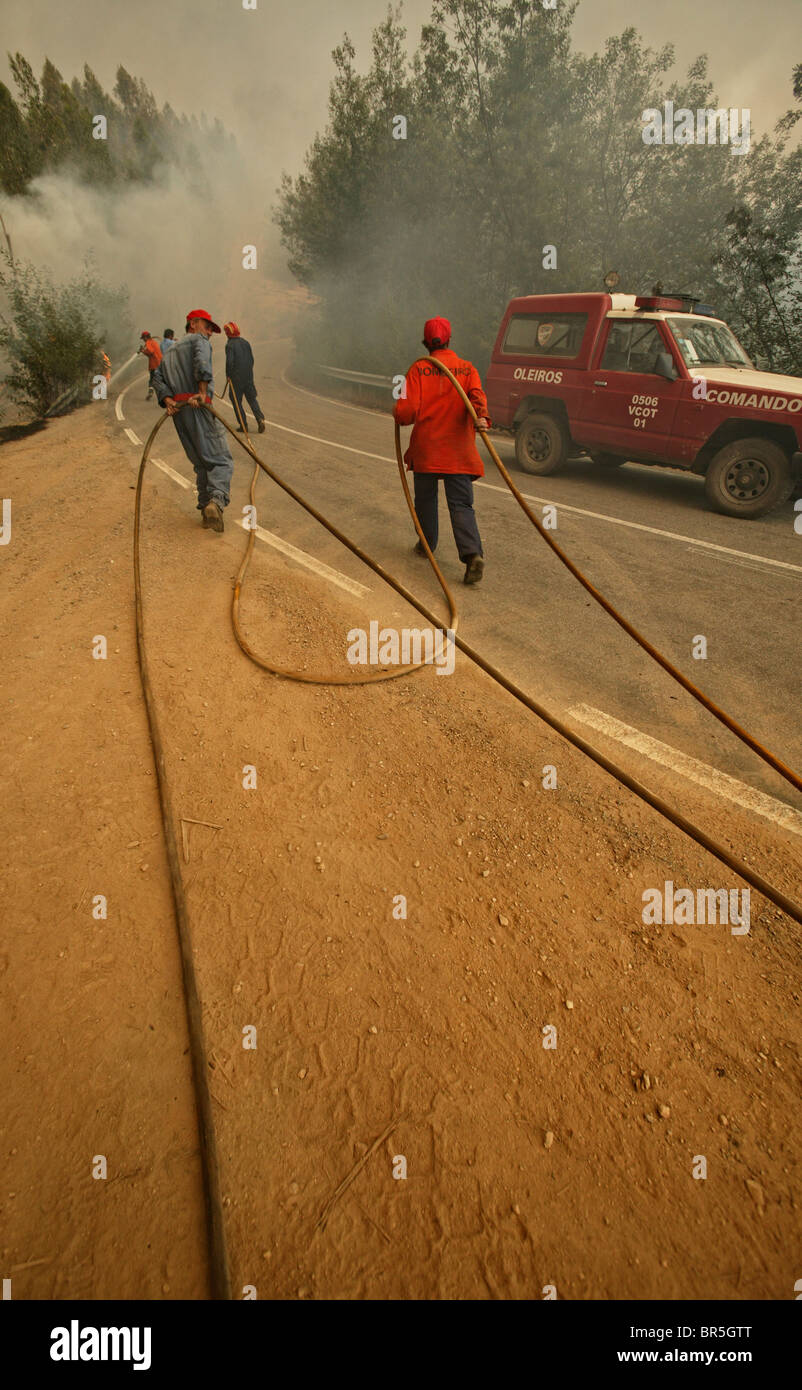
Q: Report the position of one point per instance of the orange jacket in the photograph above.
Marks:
(153, 353)
(443, 438)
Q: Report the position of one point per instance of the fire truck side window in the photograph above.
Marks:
(632, 347)
(545, 335)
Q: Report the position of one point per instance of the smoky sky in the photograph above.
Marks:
(265, 72)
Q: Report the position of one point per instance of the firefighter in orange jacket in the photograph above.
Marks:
(443, 444)
(150, 348)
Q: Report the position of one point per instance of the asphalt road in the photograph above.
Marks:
(645, 537)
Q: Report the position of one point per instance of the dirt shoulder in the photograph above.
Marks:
(526, 1165)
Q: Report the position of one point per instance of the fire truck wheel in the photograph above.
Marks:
(608, 460)
(541, 443)
(748, 478)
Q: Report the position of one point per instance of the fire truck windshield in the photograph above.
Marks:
(707, 343)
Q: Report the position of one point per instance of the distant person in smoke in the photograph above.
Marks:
(153, 352)
(239, 370)
(183, 383)
(167, 341)
(443, 445)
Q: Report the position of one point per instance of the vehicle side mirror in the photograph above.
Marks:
(664, 366)
(762, 363)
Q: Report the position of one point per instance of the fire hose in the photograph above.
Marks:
(220, 1280)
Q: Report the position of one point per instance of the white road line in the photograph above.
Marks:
(291, 551)
(577, 511)
(118, 404)
(329, 400)
(332, 443)
(171, 473)
(308, 561)
(653, 530)
(705, 776)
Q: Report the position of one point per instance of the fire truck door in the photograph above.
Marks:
(626, 404)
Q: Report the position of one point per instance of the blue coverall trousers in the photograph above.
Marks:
(459, 496)
(204, 442)
(244, 389)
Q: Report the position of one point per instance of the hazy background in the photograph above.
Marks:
(265, 74)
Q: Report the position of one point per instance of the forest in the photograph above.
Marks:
(512, 142)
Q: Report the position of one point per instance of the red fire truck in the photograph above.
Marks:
(656, 380)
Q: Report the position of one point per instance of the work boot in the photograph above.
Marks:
(474, 569)
(213, 517)
(419, 550)
(149, 396)
(240, 429)
(262, 426)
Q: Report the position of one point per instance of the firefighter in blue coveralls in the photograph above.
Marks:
(239, 370)
(182, 382)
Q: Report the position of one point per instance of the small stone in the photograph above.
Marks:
(502, 920)
(525, 782)
(549, 1139)
(294, 1189)
(756, 1192)
(569, 1003)
(303, 1293)
(722, 1119)
(373, 1028)
(144, 867)
(302, 1073)
(664, 1111)
(517, 1209)
(267, 1254)
(485, 873)
(165, 1288)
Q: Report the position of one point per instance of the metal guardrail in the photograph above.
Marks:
(358, 378)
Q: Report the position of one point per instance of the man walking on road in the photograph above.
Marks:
(239, 370)
(442, 446)
(183, 383)
(153, 352)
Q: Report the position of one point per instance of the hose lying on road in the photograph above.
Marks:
(720, 714)
(775, 895)
(218, 1255)
(371, 677)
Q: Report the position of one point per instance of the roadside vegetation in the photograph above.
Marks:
(515, 142)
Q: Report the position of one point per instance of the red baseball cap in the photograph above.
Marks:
(201, 314)
(144, 333)
(436, 330)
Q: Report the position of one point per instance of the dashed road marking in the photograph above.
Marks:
(787, 817)
(171, 473)
(308, 561)
(292, 552)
